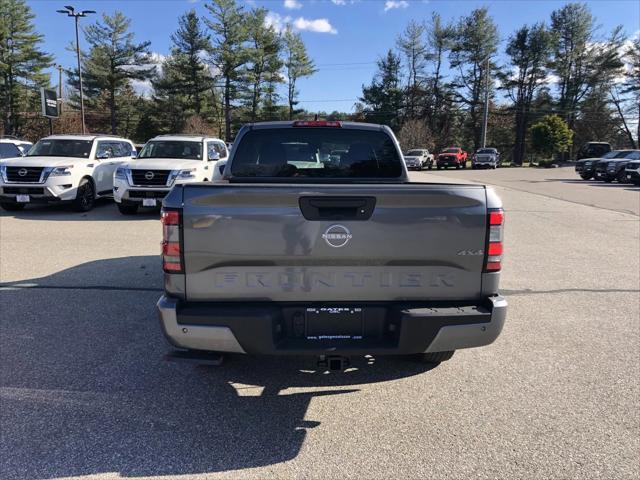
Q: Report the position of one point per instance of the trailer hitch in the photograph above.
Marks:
(334, 363)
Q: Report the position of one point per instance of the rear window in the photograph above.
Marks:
(316, 153)
(486, 150)
(8, 150)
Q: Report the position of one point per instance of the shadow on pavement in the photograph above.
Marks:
(84, 388)
(105, 210)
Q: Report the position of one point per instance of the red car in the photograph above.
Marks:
(452, 157)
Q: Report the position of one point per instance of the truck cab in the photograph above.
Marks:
(64, 168)
(165, 161)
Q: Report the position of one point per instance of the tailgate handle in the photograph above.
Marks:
(337, 208)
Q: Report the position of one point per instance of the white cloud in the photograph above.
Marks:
(391, 4)
(319, 25)
(339, 2)
(292, 4)
(279, 23)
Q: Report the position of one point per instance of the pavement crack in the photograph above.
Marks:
(117, 288)
(528, 291)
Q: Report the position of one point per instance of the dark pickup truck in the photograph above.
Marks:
(290, 252)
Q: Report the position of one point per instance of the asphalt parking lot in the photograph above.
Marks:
(85, 392)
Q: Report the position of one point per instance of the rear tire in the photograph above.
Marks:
(85, 197)
(586, 177)
(439, 167)
(434, 357)
(430, 166)
(12, 207)
(127, 208)
(622, 177)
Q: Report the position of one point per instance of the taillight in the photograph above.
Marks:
(317, 123)
(493, 257)
(171, 244)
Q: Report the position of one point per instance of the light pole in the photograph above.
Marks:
(70, 11)
(485, 113)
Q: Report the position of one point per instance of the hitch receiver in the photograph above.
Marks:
(334, 362)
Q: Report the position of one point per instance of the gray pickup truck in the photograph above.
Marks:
(294, 252)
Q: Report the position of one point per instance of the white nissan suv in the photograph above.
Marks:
(163, 162)
(64, 168)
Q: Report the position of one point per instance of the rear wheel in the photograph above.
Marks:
(439, 167)
(128, 208)
(586, 177)
(434, 357)
(430, 166)
(85, 197)
(12, 207)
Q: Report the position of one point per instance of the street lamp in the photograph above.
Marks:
(69, 11)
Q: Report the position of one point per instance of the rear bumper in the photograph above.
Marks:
(279, 328)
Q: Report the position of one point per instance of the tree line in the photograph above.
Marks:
(230, 66)
(224, 69)
(431, 86)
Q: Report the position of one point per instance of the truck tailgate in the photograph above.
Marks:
(248, 242)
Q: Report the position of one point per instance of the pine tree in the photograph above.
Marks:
(412, 44)
(529, 49)
(383, 98)
(113, 61)
(21, 64)
(229, 53)
(264, 60)
(297, 65)
(476, 42)
(190, 43)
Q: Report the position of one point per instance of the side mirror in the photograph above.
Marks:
(214, 156)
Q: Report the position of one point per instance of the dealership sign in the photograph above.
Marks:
(49, 100)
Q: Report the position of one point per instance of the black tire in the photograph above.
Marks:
(430, 166)
(434, 357)
(439, 167)
(12, 207)
(127, 208)
(464, 165)
(608, 180)
(586, 177)
(458, 166)
(622, 177)
(86, 196)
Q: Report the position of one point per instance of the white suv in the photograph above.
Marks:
(64, 168)
(11, 147)
(164, 161)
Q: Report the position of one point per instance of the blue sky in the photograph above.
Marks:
(344, 37)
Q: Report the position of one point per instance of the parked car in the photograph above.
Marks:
(593, 150)
(164, 161)
(63, 168)
(616, 168)
(452, 157)
(486, 158)
(632, 170)
(418, 159)
(11, 147)
(286, 258)
(612, 169)
(586, 168)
